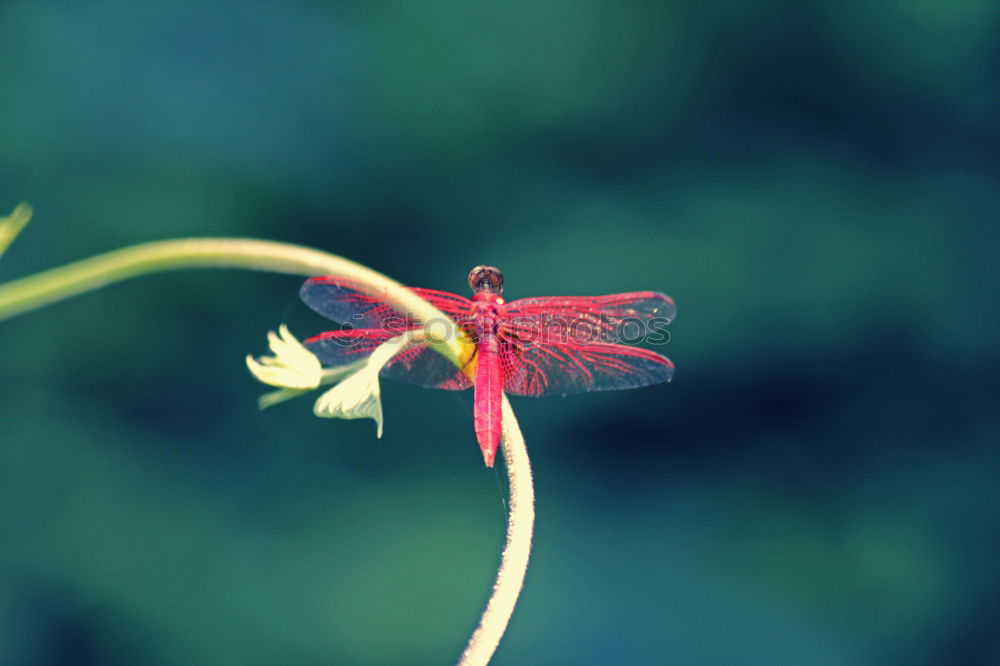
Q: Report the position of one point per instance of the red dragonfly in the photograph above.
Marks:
(549, 345)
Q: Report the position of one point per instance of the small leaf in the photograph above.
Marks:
(12, 225)
(279, 396)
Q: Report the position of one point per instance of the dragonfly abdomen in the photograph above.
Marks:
(488, 395)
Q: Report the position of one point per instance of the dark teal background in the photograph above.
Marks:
(816, 184)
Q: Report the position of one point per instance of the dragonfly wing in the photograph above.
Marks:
(346, 302)
(565, 368)
(417, 364)
(423, 366)
(335, 348)
(611, 319)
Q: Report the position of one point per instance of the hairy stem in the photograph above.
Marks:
(514, 561)
(57, 284)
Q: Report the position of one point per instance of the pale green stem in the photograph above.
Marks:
(514, 561)
(56, 284)
(59, 283)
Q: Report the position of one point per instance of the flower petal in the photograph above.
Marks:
(359, 396)
(292, 366)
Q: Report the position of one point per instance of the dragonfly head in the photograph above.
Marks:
(486, 278)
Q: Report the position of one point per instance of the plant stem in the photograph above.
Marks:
(57, 284)
(514, 561)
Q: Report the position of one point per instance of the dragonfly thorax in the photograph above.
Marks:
(485, 315)
(487, 297)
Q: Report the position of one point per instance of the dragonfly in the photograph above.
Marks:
(542, 346)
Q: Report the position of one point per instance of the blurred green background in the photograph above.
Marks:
(815, 185)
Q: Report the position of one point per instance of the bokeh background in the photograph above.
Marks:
(814, 183)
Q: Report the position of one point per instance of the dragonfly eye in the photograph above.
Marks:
(486, 278)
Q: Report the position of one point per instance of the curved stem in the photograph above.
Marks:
(514, 561)
(56, 284)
